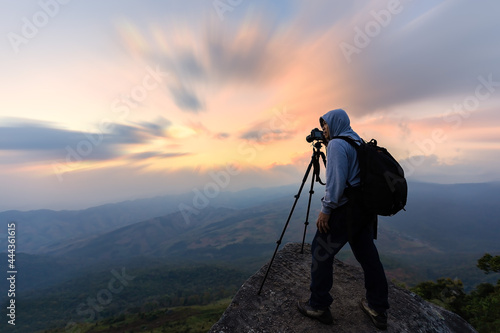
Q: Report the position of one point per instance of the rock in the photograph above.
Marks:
(275, 310)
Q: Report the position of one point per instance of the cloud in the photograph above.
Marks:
(222, 136)
(265, 135)
(186, 99)
(201, 130)
(153, 154)
(252, 51)
(34, 137)
(436, 55)
(431, 169)
(267, 132)
(158, 127)
(44, 141)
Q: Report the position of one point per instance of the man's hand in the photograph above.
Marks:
(322, 222)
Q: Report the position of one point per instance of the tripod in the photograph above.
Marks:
(317, 153)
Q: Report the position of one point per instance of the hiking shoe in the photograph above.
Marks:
(323, 315)
(379, 319)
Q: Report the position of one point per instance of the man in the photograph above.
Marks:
(342, 219)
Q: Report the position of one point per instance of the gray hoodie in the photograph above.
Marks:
(341, 160)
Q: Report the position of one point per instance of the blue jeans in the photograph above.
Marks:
(326, 245)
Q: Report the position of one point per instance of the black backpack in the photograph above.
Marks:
(383, 185)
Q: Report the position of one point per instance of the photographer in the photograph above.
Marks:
(342, 219)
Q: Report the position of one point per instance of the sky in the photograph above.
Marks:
(108, 101)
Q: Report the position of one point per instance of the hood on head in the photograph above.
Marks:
(338, 122)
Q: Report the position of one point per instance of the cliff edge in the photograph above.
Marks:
(275, 309)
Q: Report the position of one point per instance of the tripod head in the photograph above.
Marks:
(318, 144)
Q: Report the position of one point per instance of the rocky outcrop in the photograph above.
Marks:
(274, 310)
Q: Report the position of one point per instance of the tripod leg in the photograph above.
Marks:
(306, 223)
(278, 242)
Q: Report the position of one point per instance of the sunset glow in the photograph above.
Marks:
(135, 99)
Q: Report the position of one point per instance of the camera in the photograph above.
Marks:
(316, 134)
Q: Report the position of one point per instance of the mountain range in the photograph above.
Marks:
(442, 233)
(40, 230)
(441, 223)
(453, 218)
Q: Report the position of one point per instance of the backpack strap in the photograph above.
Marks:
(349, 140)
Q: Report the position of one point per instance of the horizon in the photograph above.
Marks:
(197, 192)
(108, 102)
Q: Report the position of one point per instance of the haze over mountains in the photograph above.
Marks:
(441, 223)
(39, 229)
(443, 232)
(449, 218)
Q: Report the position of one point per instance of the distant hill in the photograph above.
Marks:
(440, 219)
(152, 237)
(216, 233)
(452, 218)
(39, 230)
(445, 229)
